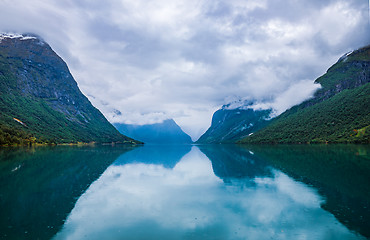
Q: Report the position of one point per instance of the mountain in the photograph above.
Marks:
(41, 102)
(167, 132)
(339, 112)
(229, 125)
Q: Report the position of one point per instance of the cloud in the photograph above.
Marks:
(181, 59)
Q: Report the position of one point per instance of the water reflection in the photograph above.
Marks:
(165, 155)
(232, 161)
(39, 186)
(341, 173)
(246, 199)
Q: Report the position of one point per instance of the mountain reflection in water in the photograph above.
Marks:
(341, 173)
(39, 186)
(212, 192)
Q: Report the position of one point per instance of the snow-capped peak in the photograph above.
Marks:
(17, 36)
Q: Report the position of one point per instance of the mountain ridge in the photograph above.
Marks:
(40, 101)
(232, 124)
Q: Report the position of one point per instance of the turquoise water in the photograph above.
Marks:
(185, 192)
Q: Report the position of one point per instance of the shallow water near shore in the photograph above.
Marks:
(185, 192)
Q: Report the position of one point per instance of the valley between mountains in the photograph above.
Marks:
(40, 103)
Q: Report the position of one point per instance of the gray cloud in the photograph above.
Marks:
(153, 60)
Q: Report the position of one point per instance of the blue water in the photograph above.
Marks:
(186, 192)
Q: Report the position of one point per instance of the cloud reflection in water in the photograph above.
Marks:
(149, 201)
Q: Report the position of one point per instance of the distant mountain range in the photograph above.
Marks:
(40, 101)
(167, 132)
(339, 112)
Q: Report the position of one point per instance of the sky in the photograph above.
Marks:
(144, 61)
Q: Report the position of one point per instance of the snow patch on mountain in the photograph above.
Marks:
(21, 37)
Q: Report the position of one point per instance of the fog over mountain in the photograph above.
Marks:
(184, 59)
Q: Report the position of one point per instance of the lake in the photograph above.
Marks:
(185, 192)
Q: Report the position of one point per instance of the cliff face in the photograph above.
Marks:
(38, 90)
(352, 70)
(40, 73)
(339, 111)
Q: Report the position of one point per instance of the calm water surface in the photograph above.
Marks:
(185, 192)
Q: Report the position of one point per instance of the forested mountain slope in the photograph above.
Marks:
(338, 112)
(41, 102)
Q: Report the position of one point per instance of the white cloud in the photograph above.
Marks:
(180, 59)
(295, 94)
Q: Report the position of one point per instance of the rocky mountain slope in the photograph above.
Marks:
(339, 112)
(229, 125)
(41, 102)
(167, 132)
